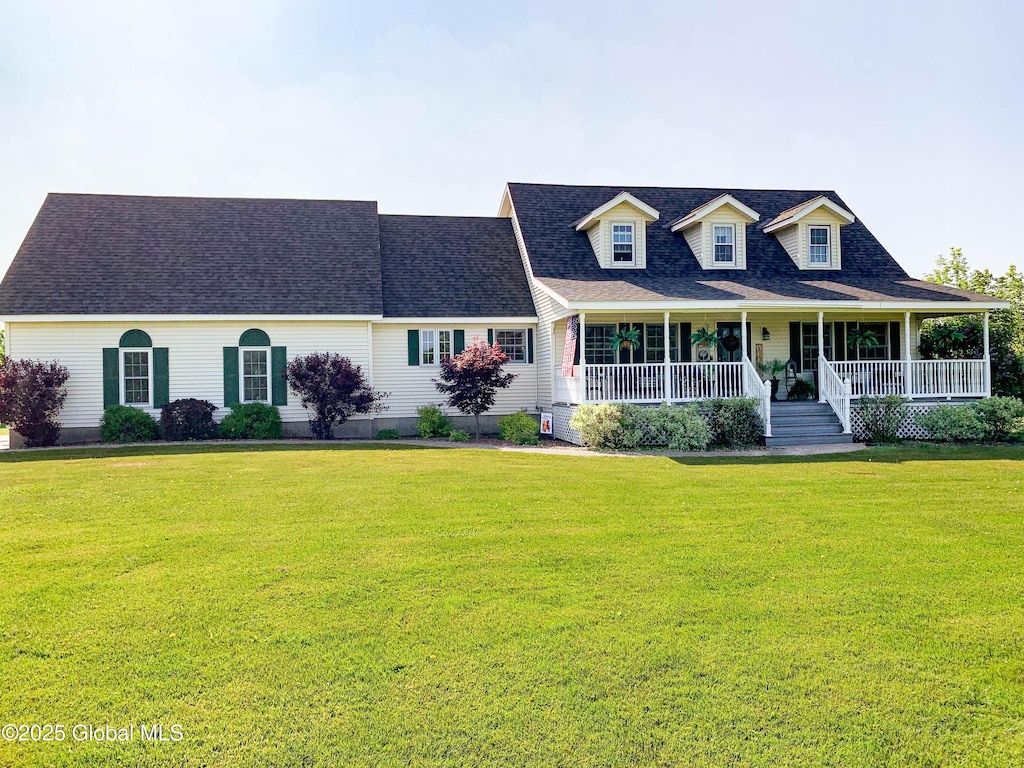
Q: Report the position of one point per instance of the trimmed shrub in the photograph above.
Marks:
(252, 421)
(388, 434)
(680, 428)
(124, 424)
(519, 428)
(954, 424)
(1004, 416)
(31, 395)
(735, 422)
(631, 427)
(599, 425)
(882, 417)
(458, 436)
(188, 419)
(433, 422)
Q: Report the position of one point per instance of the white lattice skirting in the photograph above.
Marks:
(909, 429)
(560, 415)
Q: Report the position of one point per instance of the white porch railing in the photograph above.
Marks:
(915, 378)
(761, 390)
(836, 391)
(703, 381)
(645, 383)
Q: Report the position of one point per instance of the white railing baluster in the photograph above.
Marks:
(836, 391)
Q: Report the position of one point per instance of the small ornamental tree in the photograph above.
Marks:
(31, 395)
(471, 378)
(332, 389)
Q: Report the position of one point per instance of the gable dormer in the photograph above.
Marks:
(618, 231)
(810, 233)
(717, 232)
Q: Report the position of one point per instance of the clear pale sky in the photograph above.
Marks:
(913, 112)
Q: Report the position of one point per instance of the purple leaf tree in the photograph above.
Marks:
(332, 389)
(31, 395)
(471, 378)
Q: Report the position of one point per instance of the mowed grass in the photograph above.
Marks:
(294, 606)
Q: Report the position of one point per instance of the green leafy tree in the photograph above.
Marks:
(963, 336)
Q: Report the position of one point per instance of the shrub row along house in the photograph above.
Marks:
(639, 295)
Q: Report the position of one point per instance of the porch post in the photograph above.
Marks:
(821, 352)
(668, 367)
(583, 357)
(988, 362)
(907, 389)
(743, 333)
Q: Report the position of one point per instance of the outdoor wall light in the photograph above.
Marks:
(765, 335)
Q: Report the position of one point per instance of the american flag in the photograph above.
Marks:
(572, 333)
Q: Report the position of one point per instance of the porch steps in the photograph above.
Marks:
(805, 423)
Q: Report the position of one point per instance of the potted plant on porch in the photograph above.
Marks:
(625, 338)
(772, 370)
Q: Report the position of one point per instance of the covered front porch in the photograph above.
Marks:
(840, 356)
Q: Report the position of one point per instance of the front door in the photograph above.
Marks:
(730, 342)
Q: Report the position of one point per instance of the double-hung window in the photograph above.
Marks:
(255, 365)
(136, 376)
(881, 349)
(622, 244)
(435, 346)
(725, 244)
(819, 239)
(512, 343)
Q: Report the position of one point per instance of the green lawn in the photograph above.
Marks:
(297, 606)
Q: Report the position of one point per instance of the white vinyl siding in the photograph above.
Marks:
(411, 386)
(195, 356)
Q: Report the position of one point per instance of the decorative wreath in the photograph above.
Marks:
(731, 343)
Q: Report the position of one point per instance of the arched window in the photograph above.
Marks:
(254, 371)
(135, 372)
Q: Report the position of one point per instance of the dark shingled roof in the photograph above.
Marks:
(110, 254)
(452, 266)
(563, 259)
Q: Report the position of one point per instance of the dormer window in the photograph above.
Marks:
(821, 251)
(617, 231)
(622, 243)
(717, 232)
(810, 233)
(725, 244)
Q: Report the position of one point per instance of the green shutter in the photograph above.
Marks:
(161, 378)
(460, 341)
(529, 345)
(838, 341)
(685, 345)
(490, 336)
(894, 340)
(795, 353)
(230, 376)
(414, 347)
(278, 379)
(111, 386)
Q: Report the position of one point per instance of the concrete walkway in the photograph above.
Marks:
(561, 449)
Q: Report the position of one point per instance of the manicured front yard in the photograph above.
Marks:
(295, 606)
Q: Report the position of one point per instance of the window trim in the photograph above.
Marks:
(883, 337)
(632, 243)
(830, 347)
(714, 245)
(437, 346)
(526, 351)
(121, 351)
(827, 264)
(241, 375)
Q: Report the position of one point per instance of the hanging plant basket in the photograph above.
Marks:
(625, 339)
